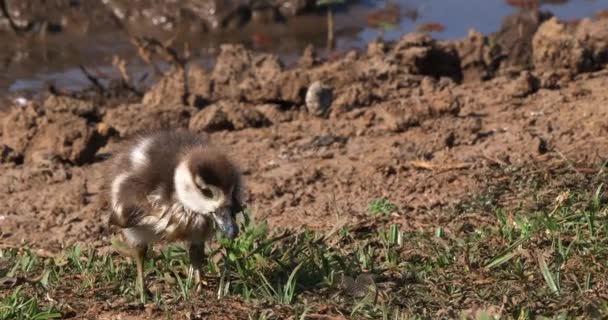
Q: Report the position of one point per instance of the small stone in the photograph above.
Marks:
(318, 99)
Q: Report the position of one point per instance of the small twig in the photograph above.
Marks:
(439, 167)
(92, 78)
(121, 65)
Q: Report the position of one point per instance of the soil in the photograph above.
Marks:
(393, 105)
(416, 121)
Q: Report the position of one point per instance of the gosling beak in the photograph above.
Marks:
(225, 223)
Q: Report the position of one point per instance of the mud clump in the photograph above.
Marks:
(534, 40)
(555, 46)
(476, 61)
(239, 75)
(170, 90)
(573, 48)
(524, 85)
(227, 116)
(61, 128)
(165, 105)
(514, 39)
(402, 114)
(594, 35)
(422, 55)
(130, 119)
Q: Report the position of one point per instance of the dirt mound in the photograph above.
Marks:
(564, 47)
(61, 128)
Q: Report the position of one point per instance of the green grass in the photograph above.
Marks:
(19, 306)
(382, 207)
(547, 257)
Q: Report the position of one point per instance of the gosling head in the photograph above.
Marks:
(207, 182)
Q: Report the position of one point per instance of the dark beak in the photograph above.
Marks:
(225, 223)
(232, 231)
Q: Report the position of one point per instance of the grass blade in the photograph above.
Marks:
(547, 274)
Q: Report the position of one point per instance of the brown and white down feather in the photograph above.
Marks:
(143, 193)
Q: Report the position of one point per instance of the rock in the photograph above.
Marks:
(104, 129)
(227, 116)
(428, 85)
(318, 99)
(556, 47)
(133, 118)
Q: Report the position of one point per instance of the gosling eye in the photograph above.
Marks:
(206, 192)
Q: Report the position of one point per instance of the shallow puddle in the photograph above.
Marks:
(30, 66)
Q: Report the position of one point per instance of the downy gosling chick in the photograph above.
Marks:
(173, 185)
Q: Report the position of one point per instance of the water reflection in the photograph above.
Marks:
(55, 59)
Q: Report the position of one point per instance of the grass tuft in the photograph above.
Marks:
(481, 260)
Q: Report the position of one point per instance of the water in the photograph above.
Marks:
(485, 16)
(58, 64)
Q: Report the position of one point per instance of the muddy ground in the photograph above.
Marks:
(417, 121)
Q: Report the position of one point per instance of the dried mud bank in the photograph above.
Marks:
(417, 121)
